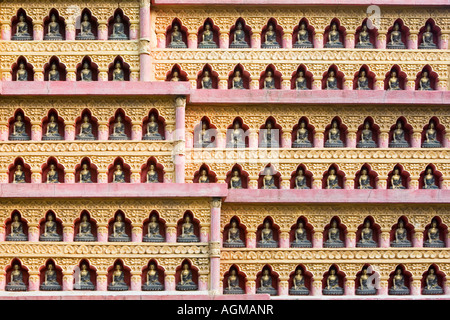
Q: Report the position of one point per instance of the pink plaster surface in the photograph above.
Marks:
(305, 2)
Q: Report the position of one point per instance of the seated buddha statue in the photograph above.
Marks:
(365, 287)
(52, 174)
(364, 38)
(427, 39)
(334, 240)
(118, 73)
(152, 129)
(17, 233)
(398, 284)
(118, 280)
(187, 231)
(431, 140)
(86, 72)
(424, 82)
(431, 283)
(398, 137)
(152, 282)
(429, 181)
(236, 135)
(85, 29)
(396, 180)
(233, 284)
(234, 240)
(433, 240)
(300, 180)
(237, 82)
(235, 180)
(53, 30)
(395, 40)
(53, 74)
(333, 38)
(366, 137)
(300, 237)
(400, 236)
(332, 180)
(50, 230)
(118, 30)
(207, 38)
(298, 284)
(118, 130)
(268, 181)
(153, 233)
(364, 180)
(266, 284)
(16, 283)
(300, 81)
(269, 136)
(331, 83)
(303, 37)
(22, 31)
(85, 130)
(50, 279)
(85, 230)
(176, 38)
(19, 175)
(269, 80)
(22, 73)
(366, 240)
(52, 130)
(85, 174)
(206, 80)
(84, 279)
(186, 282)
(363, 81)
(332, 287)
(19, 130)
(302, 137)
(270, 38)
(267, 240)
(393, 83)
(239, 37)
(119, 233)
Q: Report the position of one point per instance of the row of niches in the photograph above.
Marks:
(54, 27)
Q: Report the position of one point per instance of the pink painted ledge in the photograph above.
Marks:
(305, 2)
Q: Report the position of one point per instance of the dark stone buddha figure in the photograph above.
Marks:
(364, 180)
(300, 180)
(300, 82)
(153, 234)
(365, 287)
(396, 180)
(270, 38)
(19, 175)
(332, 180)
(237, 139)
(152, 283)
(266, 284)
(395, 41)
(427, 39)
(17, 233)
(269, 138)
(175, 76)
(86, 72)
(366, 236)
(334, 240)
(204, 137)
(398, 284)
(398, 137)
(118, 130)
(237, 81)
(52, 175)
(53, 74)
(85, 130)
(118, 280)
(267, 240)
(22, 32)
(206, 80)
(52, 130)
(235, 180)
(152, 174)
(268, 181)
(176, 38)
(85, 174)
(333, 38)
(431, 140)
(50, 280)
(433, 240)
(85, 230)
(234, 240)
(19, 130)
(303, 37)
(363, 81)
(119, 233)
(50, 230)
(239, 37)
(118, 74)
(204, 178)
(400, 237)
(331, 83)
(424, 82)
(53, 30)
(431, 283)
(366, 137)
(187, 231)
(118, 32)
(269, 80)
(152, 130)
(300, 237)
(332, 287)
(429, 180)
(22, 73)
(302, 137)
(233, 284)
(394, 83)
(298, 284)
(207, 38)
(364, 39)
(186, 282)
(84, 279)
(85, 29)
(16, 283)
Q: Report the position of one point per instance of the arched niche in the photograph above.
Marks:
(46, 167)
(407, 277)
(338, 75)
(443, 234)
(26, 26)
(124, 167)
(436, 32)
(307, 75)
(307, 278)
(57, 119)
(93, 67)
(209, 173)
(247, 34)
(339, 174)
(275, 233)
(161, 224)
(159, 120)
(125, 120)
(16, 215)
(126, 275)
(215, 32)
(22, 64)
(239, 72)
(25, 120)
(245, 133)
(373, 177)
(311, 131)
(405, 176)
(307, 174)
(59, 275)
(207, 138)
(309, 229)
(53, 65)
(79, 220)
(192, 219)
(340, 276)
(214, 78)
(58, 222)
(242, 174)
(60, 20)
(24, 167)
(311, 32)
(77, 275)
(158, 167)
(176, 74)
(91, 19)
(408, 226)
(440, 281)
(270, 170)
(242, 234)
(278, 34)
(376, 232)
(181, 29)
(124, 20)
(426, 85)
(125, 220)
(407, 130)
(404, 34)
(8, 275)
(276, 134)
(242, 279)
(342, 233)
(438, 178)
(439, 132)
(399, 74)
(274, 74)
(275, 280)
(89, 166)
(371, 30)
(373, 280)
(80, 120)
(194, 273)
(118, 70)
(374, 128)
(159, 269)
(371, 78)
(340, 29)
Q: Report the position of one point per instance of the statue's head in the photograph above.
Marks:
(118, 18)
(367, 125)
(396, 26)
(267, 224)
(396, 171)
(52, 167)
(50, 266)
(118, 167)
(334, 223)
(86, 65)
(86, 118)
(363, 73)
(53, 17)
(431, 270)
(187, 219)
(152, 266)
(367, 223)
(269, 125)
(399, 125)
(19, 167)
(175, 74)
(84, 218)
(21, 17)
(331, 73)
(364, 271)
(233, 223)
(236, 125)
(401, 224)
(84, 166)
(185, 266)
(206, 73)
(364, 27)
(119, 118)
(269, 73)
(237, 73)
(207, 26)
(118, 267)
(53, 66)
(300, 172)
(204, 173)
(85, 17)
(302, 26)
(393, 74)
(175, 27)
(303, 124)
(425, 74)
(333, 26)
(152, 167)
(364, 171)
(332, 271)
(300, 224)
(16, 217)
(233, 272)
(332, 171)
(270, 27)
(266, 272)
(84, 266)
(119, 217)
(118, 65)
(153, 218)
(398, 271)
(16, 266)
(235, 173)
(432, 125)
(298, 271)
(429, 171)
(301, 73)
(239, 26)
(19, 117)
(428, 27)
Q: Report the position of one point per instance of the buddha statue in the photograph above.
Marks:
(298, 284)
(303, 37)
(332, 180)
(433, 240)
(401, 236)
(334, 240)
(187, 231)
(237, 81)
(398, 284)
(234, 240)
(52, 130)
(239, 37)
(204, 178)
(364, 39)
(300, 237)
(86, 72)
(269, 80)
(19, 175)
(19, 130)
(207, 38)
(186, 283)
(85, 130)
(236, 139)
(366, 236)
(118, 279)
(269, 138)
(366, 137)
(235, 180)
(52, 174)
(396, 180)
(204, 137)
(16, 283)
(363, 81)
(17, 233)
(267, 240)
(175, 76)
(83, 282)
(118, 130)
(118, 74)
(85, 174)
(427, 39)
(85, 29)
(300, 180)
(332, 287)
(270, 38)
(300, 82)
(268, 181)
(364, 180)
(331, 83)
(266, 284)
(50, 280)
(424, 83)
(333, 38)
(53, 74)
(152, 283)
(395, 41)
(429, 180)
(233, 284)
(118, 30)
(50, 230)
(22, 32)
(152, 129)
(206, 80)
(302, 137)
(22, 73)
(394, 83)
(365, 287)
(119, 233)
(431, 140)
(153, 233)
(176, 38)
(431, 283)
(398, 137)
(53, 29)
(152, 174)
(85, 230)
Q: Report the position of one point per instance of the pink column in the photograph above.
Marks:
(447, 242)
(444, 41)
(67, 284)
(136, 131)
(417, 240)
(203, 283)
(145, 67)
(33, 281)
(350, 240)
(412, 40)
(136, 282)
(446, 286)
(171, 234)
(351, 140)
(287, 40)
(251, 240)
(103, 131)
(316, 287)
(385, 239)
(286, 139)
(133, 31)
(318, 139)
(283, 288)
(253, 140)
(317, 240)
(169, 283)
(4, 132)
(250, 286)
(36, 131)
(224, 40)
(144, 30)
(350, 40)
(102, 30)
(3, 281)
(383, 140)
(284, 240)
(204, 234)
(415, 287)
(256, 40)
(102, 281)
(33, 233)
(192, 41)
(136, 233)
(6, 31)
(68, 233)
(215, 274)
(381, 40)
(349, 288)
(69, 131)
(38, 31)
(70, 32)
(416, 140)
(102, 233)
(179, 136)
(318, 40)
